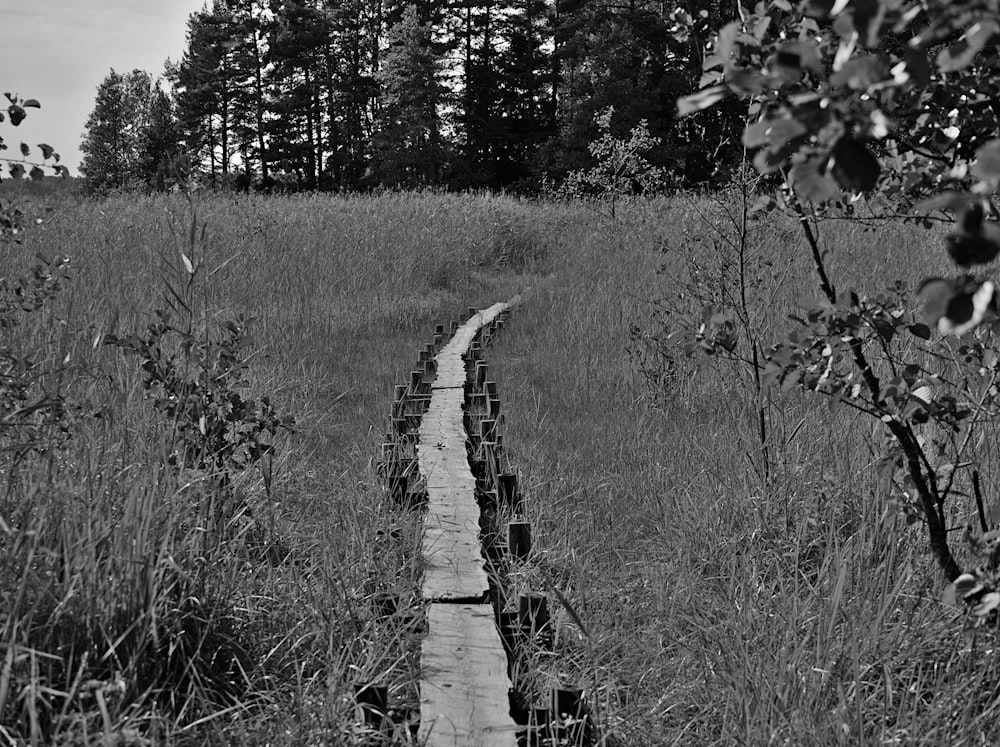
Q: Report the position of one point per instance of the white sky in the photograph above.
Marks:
(59, 51)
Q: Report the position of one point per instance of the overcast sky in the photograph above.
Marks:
(59, 51)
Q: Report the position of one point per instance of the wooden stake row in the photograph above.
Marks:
(464, 686)
(445, 452)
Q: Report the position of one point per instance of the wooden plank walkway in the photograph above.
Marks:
(464, 684)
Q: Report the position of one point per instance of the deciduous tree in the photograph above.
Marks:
(115, 131)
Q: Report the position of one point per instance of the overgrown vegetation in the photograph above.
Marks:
(178, 566)
(825, 105)
(717, 611)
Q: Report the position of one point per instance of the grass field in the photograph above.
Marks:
(718, 607)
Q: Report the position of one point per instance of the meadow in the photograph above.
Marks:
(714, 604)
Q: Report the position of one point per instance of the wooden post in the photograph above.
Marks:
(416, 381)
(570, 714)
(488, 500)
(454, 328)
(385, 604)
(539, 727)
(533, 614)
(487, 429)
(507, 490)
(399, 425)
(519, 539)
(520, 708)
(491, 389)
(478, 400)
(430, 369)
(508, 623)
(488, 449)
(482, 370)
(493, 407)
(398, 483)
(373, 700)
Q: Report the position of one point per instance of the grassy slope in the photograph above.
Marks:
(718, 608)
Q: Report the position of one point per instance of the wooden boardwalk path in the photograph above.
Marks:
(464, 699)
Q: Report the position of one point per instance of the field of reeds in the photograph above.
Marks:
(152, 594)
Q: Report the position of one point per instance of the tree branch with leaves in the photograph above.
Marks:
(894, 102)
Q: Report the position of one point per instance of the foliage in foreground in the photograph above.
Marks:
(854, 98)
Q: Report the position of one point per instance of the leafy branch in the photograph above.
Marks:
(894, 102)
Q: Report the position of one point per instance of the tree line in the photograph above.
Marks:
(349, 94)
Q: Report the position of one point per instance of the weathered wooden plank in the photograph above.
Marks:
(454, 568)
(464, 684)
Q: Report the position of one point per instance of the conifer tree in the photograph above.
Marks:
(409, 151)
(160, 142)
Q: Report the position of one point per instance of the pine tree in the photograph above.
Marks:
(115, 129)
(409, 149)
(301, 57)
(208, 80)
(160, 143)
(249, 25)
(524, 99)
(356, 28)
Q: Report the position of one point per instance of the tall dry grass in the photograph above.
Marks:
(126, 618)
(717, 607)
(723, 608)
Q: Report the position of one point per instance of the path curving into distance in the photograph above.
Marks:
(464, 686)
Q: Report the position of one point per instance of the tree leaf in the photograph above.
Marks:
(947, 200)
(16, 113)
(958, 305)
(968, 248)
(16, 170)
(810, 183)
(853, 165)
(773, 132)
(800, 55)
(47, 150)
(961, 54)
(702, 99)
(36, 174)
(746, 81)
(868, 18)
(861, 73)
(987, 165)
(31, 104)
(949, 597)
(25, 150)
(918, 66)
(920, 330)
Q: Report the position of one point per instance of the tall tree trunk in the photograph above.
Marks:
(258, 80)
(224, 114)
(311, 171)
